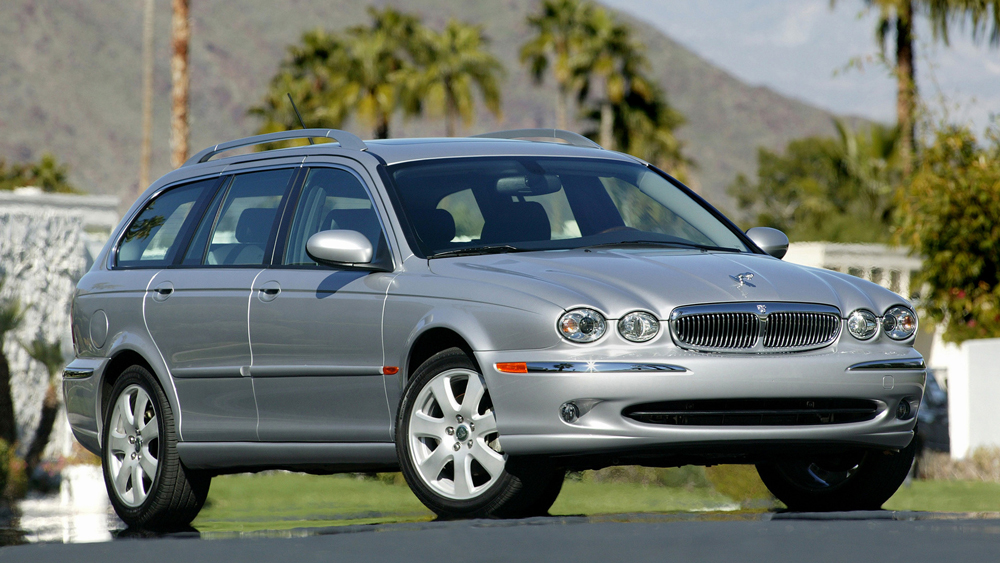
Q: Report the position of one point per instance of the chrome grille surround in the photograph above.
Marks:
(755, 328)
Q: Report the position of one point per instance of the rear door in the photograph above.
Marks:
(316, 331)
(197, 309)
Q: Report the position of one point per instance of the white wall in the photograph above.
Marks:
(973, 393)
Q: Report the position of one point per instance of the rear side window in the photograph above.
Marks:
(331, 199)
(240, 223)
(152, 240)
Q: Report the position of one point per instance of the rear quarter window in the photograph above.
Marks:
(153, 238)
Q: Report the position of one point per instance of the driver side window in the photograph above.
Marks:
(331, 199)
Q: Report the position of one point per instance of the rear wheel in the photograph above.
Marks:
(856, 480)
(449, 447)
(147, 485)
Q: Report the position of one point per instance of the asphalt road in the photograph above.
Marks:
(814, 538)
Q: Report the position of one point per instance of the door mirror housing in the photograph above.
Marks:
(340, 247)
(771, 241)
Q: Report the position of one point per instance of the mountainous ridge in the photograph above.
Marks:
(71, 76)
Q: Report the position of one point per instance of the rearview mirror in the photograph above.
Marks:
(339, 247)
(771, 241)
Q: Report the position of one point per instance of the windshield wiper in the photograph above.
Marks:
(474, 250)
(673, 243)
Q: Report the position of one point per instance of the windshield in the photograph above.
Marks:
(471, 205)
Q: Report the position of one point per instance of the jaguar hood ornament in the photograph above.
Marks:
(743, 279)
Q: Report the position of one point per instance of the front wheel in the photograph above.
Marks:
(147, 485)
(449, 447)
(855, 480)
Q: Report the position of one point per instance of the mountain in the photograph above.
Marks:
(70, 73)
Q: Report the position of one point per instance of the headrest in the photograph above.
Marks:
(518, 222)
(254, 226)
(363, 221)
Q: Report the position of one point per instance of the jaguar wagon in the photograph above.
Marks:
(482, 314)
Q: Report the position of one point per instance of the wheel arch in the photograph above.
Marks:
(430, 342)
(121, 359)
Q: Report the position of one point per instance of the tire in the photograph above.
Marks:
(858, 480)
(147, 485)
(445, 408)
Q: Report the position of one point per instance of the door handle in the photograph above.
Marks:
(164, 291)
(268, 291)
(271, 290)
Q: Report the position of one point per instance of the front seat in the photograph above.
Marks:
(517, 222)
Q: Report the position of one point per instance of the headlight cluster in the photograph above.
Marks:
(898, 323)
(588, 325)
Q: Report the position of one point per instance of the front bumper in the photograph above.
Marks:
(528, 405)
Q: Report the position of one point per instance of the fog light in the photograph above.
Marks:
(903, 410)
(569, 412)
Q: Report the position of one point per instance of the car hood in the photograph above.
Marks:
(616, 281)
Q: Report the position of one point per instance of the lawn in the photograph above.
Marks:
(281, 501)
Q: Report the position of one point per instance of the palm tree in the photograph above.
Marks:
(561, 35)
(50, 355)
(897, 17)
(147, 96)
(335, 76)
(448, 66)
(180, 38)
(616, 61)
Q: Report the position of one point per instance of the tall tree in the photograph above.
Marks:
(146, 156)
(448, 65)
(180, 40)
(50, 355)
(560, 42)
(896, 18)
(333, 76)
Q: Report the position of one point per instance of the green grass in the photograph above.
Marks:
(947, 496)
(282, 501)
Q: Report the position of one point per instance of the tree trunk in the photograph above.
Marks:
(8, 424)
(449, 116)
(147, 97)
(561, 96)
(906, 96)
(50, 407)
(382, 126)
(607, 131)
(181, 35)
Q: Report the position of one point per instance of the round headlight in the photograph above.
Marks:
(899, 323)
(582, 325)
(638, 326)
(862, 324)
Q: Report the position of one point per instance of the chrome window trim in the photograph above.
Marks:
(761, 310)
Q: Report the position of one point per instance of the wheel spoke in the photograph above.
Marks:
(150, 431)
(431, 467)
(139, 412)
(138, 492)
(441, 389)
(125, 411)
(485, 424)
(422, 425)
(474, 392)
(118, 442)
(148, 465)
(491, 461)
(463, 476)
(121, 480)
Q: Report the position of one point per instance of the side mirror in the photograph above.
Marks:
(771, 241)
(340, 248)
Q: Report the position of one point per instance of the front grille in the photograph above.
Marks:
(754, 412)
(755, 327)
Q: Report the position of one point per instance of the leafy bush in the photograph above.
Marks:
(951, 216)
(742, 484)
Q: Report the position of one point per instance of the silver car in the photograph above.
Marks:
(482, 314)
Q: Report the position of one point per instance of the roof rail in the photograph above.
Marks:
(570, 137)
(346, 140)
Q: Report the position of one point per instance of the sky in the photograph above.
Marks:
(803, 48)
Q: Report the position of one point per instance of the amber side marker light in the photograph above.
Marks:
(512, 367)
(390, 370)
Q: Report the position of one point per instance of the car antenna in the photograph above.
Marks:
(298, 115)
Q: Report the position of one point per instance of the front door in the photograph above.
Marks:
(316, 331)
